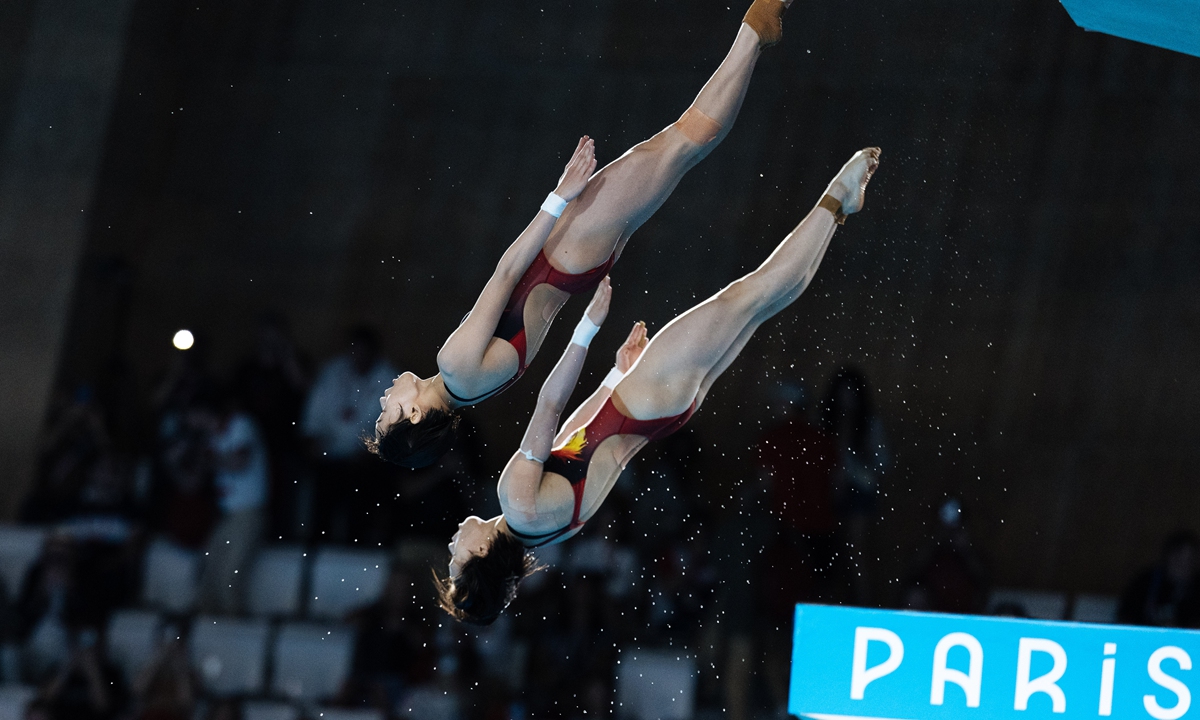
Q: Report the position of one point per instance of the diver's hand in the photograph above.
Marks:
(581, 166)
(597, 309)
(632, 348)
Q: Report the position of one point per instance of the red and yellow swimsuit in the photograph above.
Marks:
(511, 327)
(572, 458)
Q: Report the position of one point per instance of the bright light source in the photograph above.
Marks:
(183, 340)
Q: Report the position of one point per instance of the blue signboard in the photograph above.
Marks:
(1170, 24)
(853, 664)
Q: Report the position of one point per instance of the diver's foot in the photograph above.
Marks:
(765, 18)
(845, 195)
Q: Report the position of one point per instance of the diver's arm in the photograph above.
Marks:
(556, 391)
(521, 481)
(627, 355)
(521, 254)
(468, 343)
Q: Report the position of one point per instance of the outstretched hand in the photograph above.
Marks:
(581, 166)
(597, 309)
(632, 348)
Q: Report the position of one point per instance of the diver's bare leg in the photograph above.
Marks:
(686, 356)
(626, 192)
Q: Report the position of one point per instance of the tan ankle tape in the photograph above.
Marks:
(834, 206)
(765, 17)
(698, 127)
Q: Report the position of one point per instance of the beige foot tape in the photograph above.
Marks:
(698, 127)
(765, 17)
(834, 206)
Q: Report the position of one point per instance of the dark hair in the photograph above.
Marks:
(416, 446)
(486, 583)
(832, 411)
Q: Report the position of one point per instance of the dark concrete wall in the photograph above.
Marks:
(1021, 288)
(58, 71)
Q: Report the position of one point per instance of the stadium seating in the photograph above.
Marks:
(1039, 604)
(276, 582)
(259, 710)
(132, 640)
(655, 685)
(13, 699)
(20, 546)
(1095, 608)
(169, 579)
(230, 655)
(343, 580)
(342, 714)
(311, 661)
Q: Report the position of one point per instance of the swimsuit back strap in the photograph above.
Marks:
(541, 538)
(485, 396)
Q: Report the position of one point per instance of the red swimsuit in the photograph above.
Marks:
(571, 459)
(511, 327)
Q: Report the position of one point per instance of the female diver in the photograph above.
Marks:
(555, 482)
(569, 247)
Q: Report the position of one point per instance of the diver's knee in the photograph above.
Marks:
(741, 298)
(698, 127)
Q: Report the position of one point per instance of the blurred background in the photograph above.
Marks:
(225, 226)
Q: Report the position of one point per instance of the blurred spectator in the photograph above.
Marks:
(240, 474)
(52, 605)
(75, 436)
(183, 504)
(429, 502)
(660, 475)
(106, 527)
(682, 583)
(38, 709)
(87, 686)
(166, 687)
(798, 459)
(951, 577)
(272, 381)
(271, 384)
(394, 648)
(848, 415)
(340, 411)
(1167, 593)
(186, 383)
(106, 494)
(740, 611)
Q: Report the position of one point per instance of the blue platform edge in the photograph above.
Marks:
(1170, 24)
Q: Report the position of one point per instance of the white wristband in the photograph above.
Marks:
(554, 205)
(613, 377)
(585, 331)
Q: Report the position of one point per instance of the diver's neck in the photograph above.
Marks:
(438, 385)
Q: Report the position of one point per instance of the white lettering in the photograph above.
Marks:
(1154, 668)
(969, 681)
(861, 676)
(1042, 684)
(1108, 670)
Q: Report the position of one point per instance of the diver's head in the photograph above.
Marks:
(486, 565)
(416, 425)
